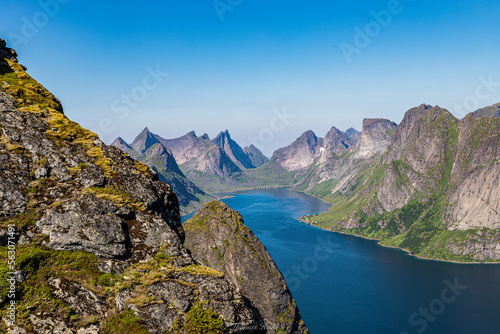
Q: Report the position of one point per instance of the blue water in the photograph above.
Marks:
(344, 284)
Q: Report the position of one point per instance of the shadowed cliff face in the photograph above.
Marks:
(99, 239)
(218, 238)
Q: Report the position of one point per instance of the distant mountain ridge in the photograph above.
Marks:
(147, 149)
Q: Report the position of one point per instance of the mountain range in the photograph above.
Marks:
(427, 185)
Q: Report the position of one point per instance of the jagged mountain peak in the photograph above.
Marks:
(300, 154)
(144, 140)
(232, 149)
(205, 136)
(309, 134)
(335, 142)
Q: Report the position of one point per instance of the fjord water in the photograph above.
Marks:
(345, 285)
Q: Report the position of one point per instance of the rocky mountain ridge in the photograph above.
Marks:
(432, 192)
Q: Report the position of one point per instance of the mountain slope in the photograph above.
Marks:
(255, 155)
(99, 243)
(432, 193)
(300, 154)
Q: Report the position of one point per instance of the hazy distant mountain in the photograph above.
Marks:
(147, 149)
(300, 154)
(375, 137)
(353, 135)
(199, 154)
(303, 152)
(233, 150)
(256, 156)
(335, 142)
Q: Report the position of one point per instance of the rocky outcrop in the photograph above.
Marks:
(218, 238)
(100, 245)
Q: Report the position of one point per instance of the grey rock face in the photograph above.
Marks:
(92, 176)
(178, 295)
(375, 137)
(475, 178)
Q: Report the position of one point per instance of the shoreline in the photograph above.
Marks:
(408, 253)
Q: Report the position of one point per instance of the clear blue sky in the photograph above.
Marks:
(263, 56)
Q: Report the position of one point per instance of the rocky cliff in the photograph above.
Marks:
(99, 243)
(227, 245)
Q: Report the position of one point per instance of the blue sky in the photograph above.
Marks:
(238, 65)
